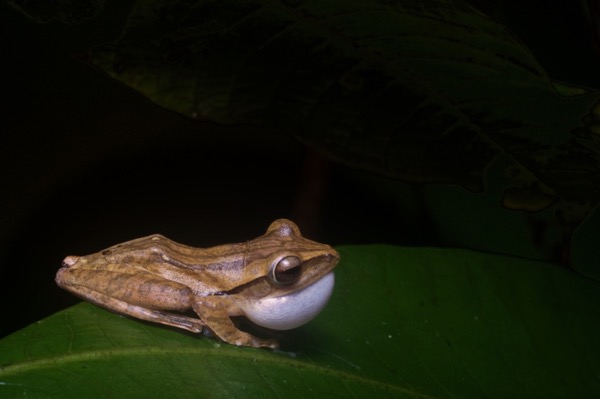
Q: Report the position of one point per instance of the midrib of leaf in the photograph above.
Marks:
(49, 362)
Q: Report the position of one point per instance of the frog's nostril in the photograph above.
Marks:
(70, 260)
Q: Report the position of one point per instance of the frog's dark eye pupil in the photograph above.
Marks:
(287, 270)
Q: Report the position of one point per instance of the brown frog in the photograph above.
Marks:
(280, 280)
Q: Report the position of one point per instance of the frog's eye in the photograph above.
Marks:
(286, 271)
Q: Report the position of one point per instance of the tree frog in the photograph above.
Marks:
(280, 281)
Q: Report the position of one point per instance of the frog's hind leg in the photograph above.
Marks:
(111, 297)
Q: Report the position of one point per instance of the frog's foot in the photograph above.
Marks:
(241, 338)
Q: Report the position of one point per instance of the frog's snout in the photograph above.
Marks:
(333, 255)
(70, 261)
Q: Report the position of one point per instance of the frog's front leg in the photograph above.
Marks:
(122, 299)
(214, 312)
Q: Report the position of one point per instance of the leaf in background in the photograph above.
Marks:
(428, 91)
(403, 322)
(68, 11)
(423, 90)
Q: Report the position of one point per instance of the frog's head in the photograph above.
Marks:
(296, 277)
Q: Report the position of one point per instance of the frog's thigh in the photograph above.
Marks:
(156, 316)
(142, 288)
(68, 277)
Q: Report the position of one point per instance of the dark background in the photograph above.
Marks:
(87, 163)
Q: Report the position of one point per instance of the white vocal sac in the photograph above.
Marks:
(293, 310)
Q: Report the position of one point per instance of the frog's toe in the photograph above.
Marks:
(268, 343)
(256, 342)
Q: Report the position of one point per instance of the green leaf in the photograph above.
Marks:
(403, 322)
